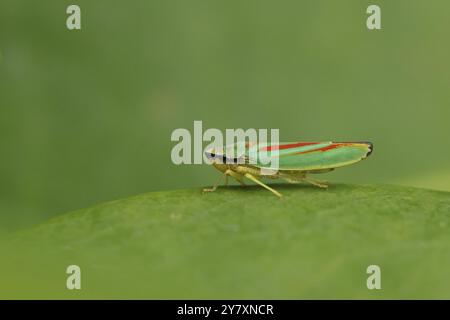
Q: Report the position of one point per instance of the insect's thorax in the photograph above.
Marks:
(239, 168)
(221, 166)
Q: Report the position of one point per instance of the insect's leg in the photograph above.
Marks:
(253, 178)
(292, 177)
(290, 180)
(227, 173)
(320, 184)
(213, 188)
(236, 175)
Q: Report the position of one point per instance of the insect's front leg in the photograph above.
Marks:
(227, 173)
(214, 187)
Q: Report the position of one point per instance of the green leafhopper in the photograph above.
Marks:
(294, 160)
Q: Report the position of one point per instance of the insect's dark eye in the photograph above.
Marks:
(213, 155)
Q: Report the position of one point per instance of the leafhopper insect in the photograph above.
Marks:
(295, 160)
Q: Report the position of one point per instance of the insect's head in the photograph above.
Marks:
(223, 155)
(214, 153)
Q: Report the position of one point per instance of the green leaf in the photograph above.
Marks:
(241, 243)
(437, 179)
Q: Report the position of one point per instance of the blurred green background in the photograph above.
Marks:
(86, 116)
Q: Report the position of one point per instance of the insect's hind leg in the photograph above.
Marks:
(292, 177)
(317, 183)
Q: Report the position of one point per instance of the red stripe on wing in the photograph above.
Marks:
(288, 146)
(331, 146)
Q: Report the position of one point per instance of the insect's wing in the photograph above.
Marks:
(309, 156)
